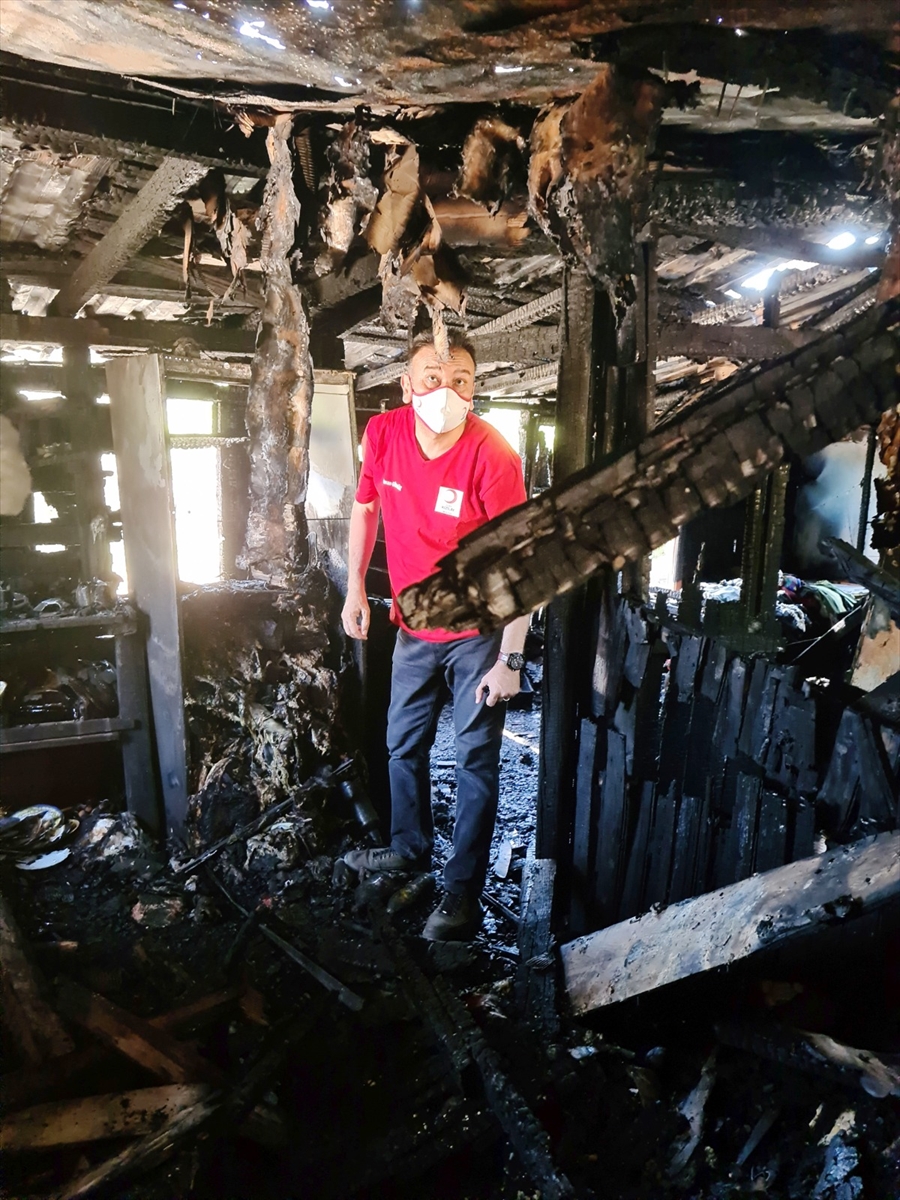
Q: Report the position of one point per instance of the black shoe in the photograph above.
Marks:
(369, 862)
(457, 918)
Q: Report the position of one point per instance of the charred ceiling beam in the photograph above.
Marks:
(120, 333)
(87, 113)
(750, 342)
(714, 455)
(279, 403)
(704, 202)
(783, 243)
(142, 218)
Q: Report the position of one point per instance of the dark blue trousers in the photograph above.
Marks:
(420, 671)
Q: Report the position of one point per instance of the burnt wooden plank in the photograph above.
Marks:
(772, 832)
(660, 849)
(536, 975)
(610, 829)
(638, 856)
(583, 826)
(743, 827)
(732, 923)
(803, 831)
(758, 676)
(684, 853)
(839, 792)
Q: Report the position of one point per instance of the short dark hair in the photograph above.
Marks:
(458, 339)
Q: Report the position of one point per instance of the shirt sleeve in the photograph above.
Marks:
(501, 485)
(366, 490)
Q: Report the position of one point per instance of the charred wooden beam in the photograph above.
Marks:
(749, 342)
(281, 387)
(781, 242)
(723, 927)
(142, 218)
(35, 1028)
(703, 202)
(73, 113)
(117, 332)
(714, 455)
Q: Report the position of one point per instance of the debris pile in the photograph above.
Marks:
(265, 699)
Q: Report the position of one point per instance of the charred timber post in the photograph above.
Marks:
(714, 455)
(281, 387)
(563, 651)
(93, 514)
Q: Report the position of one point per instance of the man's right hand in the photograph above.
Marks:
(355, 616)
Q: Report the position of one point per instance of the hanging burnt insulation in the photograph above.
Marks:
(587, 182)
(281, 386)
(349, 193)
(493, 163)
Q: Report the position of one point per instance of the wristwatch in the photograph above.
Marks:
(515, 661)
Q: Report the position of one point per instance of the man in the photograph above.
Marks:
(436, 472)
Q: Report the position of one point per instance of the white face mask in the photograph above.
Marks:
(441, 410)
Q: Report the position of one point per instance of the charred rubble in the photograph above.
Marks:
(674, 244)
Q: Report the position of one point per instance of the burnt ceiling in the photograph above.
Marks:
(760, 146)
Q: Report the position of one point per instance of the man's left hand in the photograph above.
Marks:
(500, 683)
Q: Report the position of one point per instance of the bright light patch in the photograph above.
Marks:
(873, 240)
(507, 422)
(841, 241)
(500, 69)
(189, 416)
(253, 29)
(662, 565)
(318, 3)
(50, 548)
(341, 81)
(760, 281)
(44, 513)
(37, 397)
(732, 294)
(195, 490)
(110, 471)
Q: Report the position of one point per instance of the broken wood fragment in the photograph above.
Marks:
(93, 1118)
(536, 976)
(32, 1024)
(815, 1054)
(722, 927)
(149, 1047)
(215, 1111)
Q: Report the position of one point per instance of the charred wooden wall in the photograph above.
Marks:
(698, 766)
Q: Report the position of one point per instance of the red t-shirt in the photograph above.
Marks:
(429, 505)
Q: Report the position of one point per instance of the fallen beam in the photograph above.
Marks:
(723, 927)
(714, 454)
(93, 1118)
(119, 332)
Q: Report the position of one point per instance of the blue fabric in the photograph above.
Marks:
(422, 672)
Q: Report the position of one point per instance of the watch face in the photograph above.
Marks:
(515, 662)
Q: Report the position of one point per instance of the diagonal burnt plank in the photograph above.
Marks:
(714, 454)
(143, 217)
